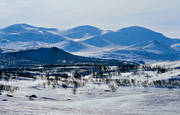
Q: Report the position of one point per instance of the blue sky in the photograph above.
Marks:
(160, 15)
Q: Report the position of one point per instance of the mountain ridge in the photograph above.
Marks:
(87, 38)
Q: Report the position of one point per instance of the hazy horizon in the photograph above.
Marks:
(160, 16)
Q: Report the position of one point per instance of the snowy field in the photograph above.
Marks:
(33, 97)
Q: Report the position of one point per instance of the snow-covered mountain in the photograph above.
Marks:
(82, 32)
(129, 36)
(134, 43)
(28, 33)
(131, 43)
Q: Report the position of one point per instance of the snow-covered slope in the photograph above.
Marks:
(82, 32)
(28, 33)
(41, 96)
(131, 43)
(131, 35)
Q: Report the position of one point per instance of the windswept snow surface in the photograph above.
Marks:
(93, 99)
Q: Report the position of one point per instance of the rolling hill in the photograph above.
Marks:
(131, 43)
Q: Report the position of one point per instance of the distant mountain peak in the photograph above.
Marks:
(27, 33)
(83, 31)
(25, 27)
(17, 27)
(136, 29)
(20, 25)
(85, 27)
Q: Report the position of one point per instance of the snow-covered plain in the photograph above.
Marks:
(93, 98)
